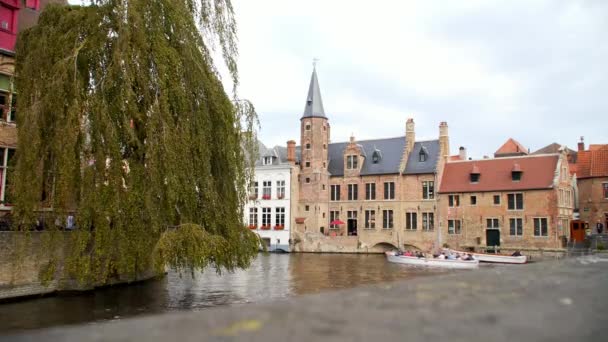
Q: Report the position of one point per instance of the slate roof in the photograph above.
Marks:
(314, 103)
(390, 150)
(593, 162)
(511, 148)
(278, 153)
(538, 172)
(415, 166)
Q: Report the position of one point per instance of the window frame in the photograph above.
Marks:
(494, 197)
(516, 230)
(453, 199)
(334, 192)
(428, 221)
(370, 191)
(370, 219)
(493, 223)
(280, 189)
(454, 227)
(353, 192)
(411, 220)
(266, 217)
(540, 227)
(515, 206)
(388, 221)
(389, 190)
(473, 200)
(428, 190)
(352, 162)
(279, 216)
(605, 190)
(253, 216)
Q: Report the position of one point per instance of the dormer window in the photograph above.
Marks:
(475, 174)
(422, 155)
(351, 162)
(267, 161)
(376, 156)
(516, 173)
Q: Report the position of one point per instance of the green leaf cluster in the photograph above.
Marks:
(124, 123)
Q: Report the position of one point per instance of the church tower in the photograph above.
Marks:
(314, 177)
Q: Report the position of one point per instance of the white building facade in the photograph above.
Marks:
(268, 211)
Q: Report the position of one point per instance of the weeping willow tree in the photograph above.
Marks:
(124, 123)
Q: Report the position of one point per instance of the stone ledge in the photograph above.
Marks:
(561, 300)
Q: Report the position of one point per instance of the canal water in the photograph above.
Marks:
(271, 276)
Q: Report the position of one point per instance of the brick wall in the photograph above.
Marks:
(593, 205)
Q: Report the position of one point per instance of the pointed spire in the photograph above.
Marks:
(314, 104)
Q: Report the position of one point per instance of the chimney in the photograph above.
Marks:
(581, 144)
(291, 151)
(410, 134)
(462, 153)
(444, 140)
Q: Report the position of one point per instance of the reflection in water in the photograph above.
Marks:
(270, 277)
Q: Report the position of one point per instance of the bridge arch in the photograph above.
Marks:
(384, 247)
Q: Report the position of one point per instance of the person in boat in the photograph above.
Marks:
(408, 253)
(516, 253)
(451, 257)
(470, 257)
(441, 256)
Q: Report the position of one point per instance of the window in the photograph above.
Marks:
(540, 226)
(4, 106)
(333, 215)
(306, 208)
(496, 199)
(267, 161)
(370, 191)
(516, 227)
(389, 190)
(307, 164)
(253, 217)
(266, 189)
(266, 217)
(474, 177)
(253, 192)
(280, 216)
(375, 158)
(428, 221)
(516, 201)
(351, 214)
(351, 162)
(422, 156)
(516, 176)
(308, 146)
(387, 219)
(353, 190)
(411, 221)
(307, 180)
(492, 223)
(605, 188)
(473, 200)
(335, 192)
(281, 189)
(6, 164)
(370, 219)
(454, 200)
(453, 226)
(307, 126)
(428, 190)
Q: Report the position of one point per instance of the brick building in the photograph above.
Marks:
(15, 16)
(592, 179)
(516, 202)
(383, 190)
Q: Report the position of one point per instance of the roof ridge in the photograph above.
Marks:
(509, 157)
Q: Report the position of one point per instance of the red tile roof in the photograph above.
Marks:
(510, 147)
(538, 172)
(593, 162)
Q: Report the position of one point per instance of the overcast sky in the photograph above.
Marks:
(536, 71)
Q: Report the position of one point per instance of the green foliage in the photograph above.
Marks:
(600, 247)
(123, 120)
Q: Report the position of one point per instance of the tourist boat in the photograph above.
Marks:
(431, 262)
(495, 258)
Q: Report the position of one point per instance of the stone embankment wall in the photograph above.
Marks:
(22, 258)
(319, 243)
